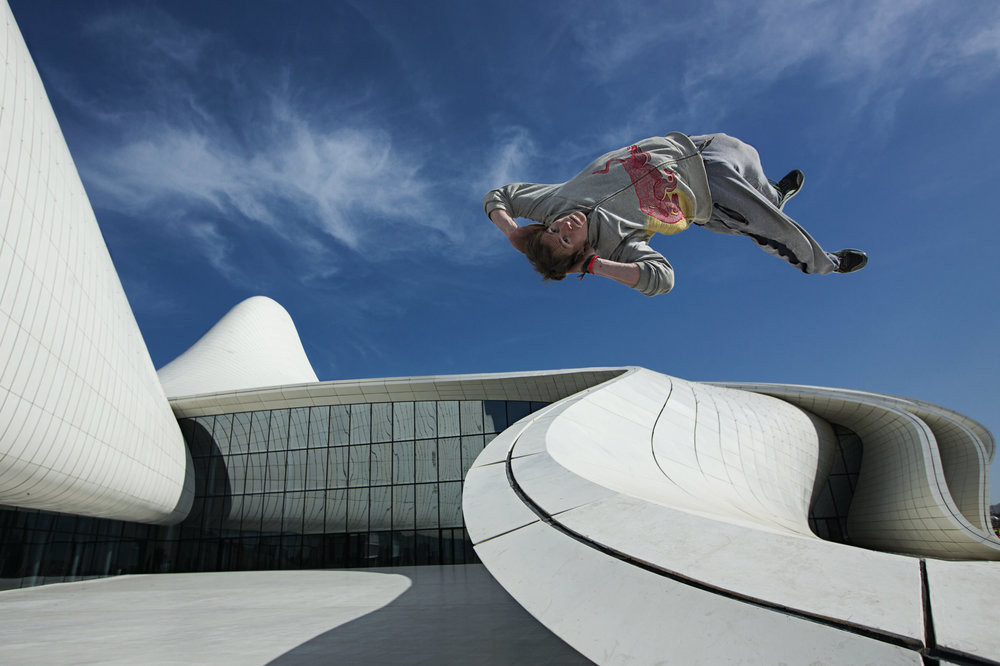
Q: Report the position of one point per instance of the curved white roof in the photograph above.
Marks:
(253, 346)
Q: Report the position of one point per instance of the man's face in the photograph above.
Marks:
(567, 235)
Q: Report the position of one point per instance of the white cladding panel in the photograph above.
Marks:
(84, 425)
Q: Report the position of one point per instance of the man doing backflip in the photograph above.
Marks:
(601, 221)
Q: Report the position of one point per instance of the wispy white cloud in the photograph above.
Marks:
(321, 183)
(711, 60)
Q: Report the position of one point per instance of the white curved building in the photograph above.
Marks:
(84, 423)
(651, 516)
(254, 345)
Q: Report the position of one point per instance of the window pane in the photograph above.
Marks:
(319, 427)
(256, 472)
(496, 416)
(253, 511)
(236, 473)
(402, 420)
(381, 469)
(447, 418)
(451, 504)
(450, 459)
(426, 506)
(381, 508)
(236, 513)
(402, 507)
(258, 431)
(298, 428)
(340, 425)
(382, 422)
(240, 440)
(517, 410)
(425, 452)
(294, 504)
(221, 431)
(361, 424)
(425, 420)
(316, 469)
(358, 463)
(276, 461)
(471, 416)
(295, 469)
(271, 512)
(471, 447)
(336, 511)
(278, 431)
(357, 510)
(402, 462)
(337, 467)
(314, 509)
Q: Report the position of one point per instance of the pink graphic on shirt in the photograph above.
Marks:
(654, 188)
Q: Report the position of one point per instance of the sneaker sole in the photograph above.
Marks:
(792, 193)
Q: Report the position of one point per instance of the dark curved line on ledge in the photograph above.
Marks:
(883, 636)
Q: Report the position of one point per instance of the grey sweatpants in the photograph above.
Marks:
(745, 204)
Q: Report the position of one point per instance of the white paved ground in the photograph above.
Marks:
(439, 615)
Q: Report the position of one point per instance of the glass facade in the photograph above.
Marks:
(828, 514)
(371, 484)
(337, 486)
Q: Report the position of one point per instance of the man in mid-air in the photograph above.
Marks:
(600, 221)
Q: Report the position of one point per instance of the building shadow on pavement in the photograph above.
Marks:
(450, 615)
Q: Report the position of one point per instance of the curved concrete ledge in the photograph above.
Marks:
(608, 517)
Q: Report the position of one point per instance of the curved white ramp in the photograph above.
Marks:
(253, 346)
(652, 519)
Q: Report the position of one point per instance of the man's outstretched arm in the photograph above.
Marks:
(505, 223)
(627, 274)
(638, 266)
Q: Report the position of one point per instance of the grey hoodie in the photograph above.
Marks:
(655, 185)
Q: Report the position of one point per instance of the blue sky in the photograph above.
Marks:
(333, 156)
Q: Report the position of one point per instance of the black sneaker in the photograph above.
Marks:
(850, 260)
(789, 186)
